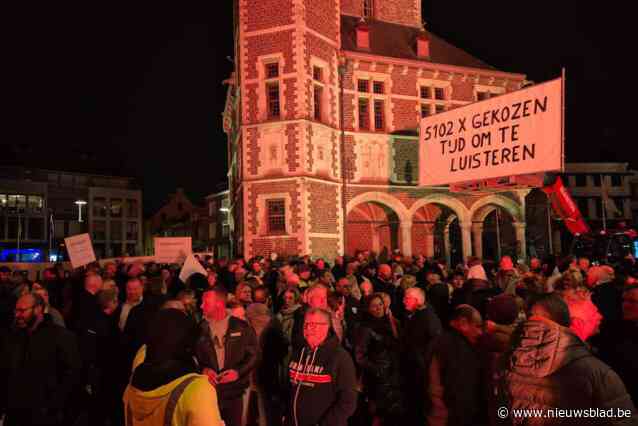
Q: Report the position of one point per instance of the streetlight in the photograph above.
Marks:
(80, 203)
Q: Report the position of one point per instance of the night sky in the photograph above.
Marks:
(137, 90)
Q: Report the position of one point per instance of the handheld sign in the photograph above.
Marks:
(191, 266)
(172, 249)
(512, 134)
(80, 250)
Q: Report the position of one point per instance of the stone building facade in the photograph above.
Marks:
(322, 114)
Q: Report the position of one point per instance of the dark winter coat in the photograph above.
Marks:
(377, 355)
(453, 382)
(619, 349)
(323, 385)
(39, 371)
(240, 345)
(550, 367)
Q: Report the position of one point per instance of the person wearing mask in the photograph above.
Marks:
(322, 376)
(166, 389)
(376, 349)
(227, 353)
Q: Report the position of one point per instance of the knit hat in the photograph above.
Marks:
(502, 309)
(477, 272)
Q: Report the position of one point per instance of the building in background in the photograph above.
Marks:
(50, 203)
(321, 115)
(219, 224)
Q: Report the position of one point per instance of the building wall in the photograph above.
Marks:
(297, 156)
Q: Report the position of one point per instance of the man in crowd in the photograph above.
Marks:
(39, 367)
(134, 292)
(551, 368)
(322, 376)
(7, 299)
(454, 391)
(421, 326)
(244, 294)
(227, 352)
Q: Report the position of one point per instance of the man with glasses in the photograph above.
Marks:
(322, 376)
(39, 367)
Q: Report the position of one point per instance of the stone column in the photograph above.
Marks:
(447, 246)
(406, 238)
(466, 236)
(519, 227)
(429, 244)
(477, 235)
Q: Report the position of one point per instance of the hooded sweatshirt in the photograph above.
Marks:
(550, 367)
(188, 400)
(323, 384)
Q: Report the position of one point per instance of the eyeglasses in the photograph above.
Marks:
(23, 310)
(315, 325)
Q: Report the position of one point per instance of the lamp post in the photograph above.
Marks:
(80, 203)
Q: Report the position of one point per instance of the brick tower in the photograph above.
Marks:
(297, 62)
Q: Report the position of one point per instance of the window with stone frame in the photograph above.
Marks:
(426, 110)
(317, 97)
(379, 115)
(318, 93)
(276, 210)
(372, 103)
(364, 114)
(273, 103)
(433, 99)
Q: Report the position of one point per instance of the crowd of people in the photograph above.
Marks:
(368, 341)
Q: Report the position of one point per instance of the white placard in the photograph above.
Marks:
(191, 266)
(512, 134)
(80, 250)
(172, 249)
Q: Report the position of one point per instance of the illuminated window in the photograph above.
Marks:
(116, 207)
(35, 203)
(276, 216)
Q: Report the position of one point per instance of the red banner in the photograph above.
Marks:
(565, 207)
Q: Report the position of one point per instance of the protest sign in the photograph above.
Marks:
(172, 249)
(512, 134)
(80, 250)
(191, 266)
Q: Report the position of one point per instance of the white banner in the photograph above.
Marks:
(512, 134)
(80, 250)
(172, 249)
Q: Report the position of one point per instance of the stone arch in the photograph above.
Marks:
(452, 203)
(381, 198)
(374, 220)
(486, 205)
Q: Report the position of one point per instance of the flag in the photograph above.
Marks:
(565, 208)
(608, 203)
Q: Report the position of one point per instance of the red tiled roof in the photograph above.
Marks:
(398, 41)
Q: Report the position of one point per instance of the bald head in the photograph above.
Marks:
(93, 283)
(385, 271)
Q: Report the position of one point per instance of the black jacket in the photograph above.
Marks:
(240, 345)
(550, 367)
(39, 370)
(459, 372)
(377, 355)
(323, 385)
(619, 349)
(88, 323)
(138, 320)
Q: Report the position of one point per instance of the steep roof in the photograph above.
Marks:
(398, 41)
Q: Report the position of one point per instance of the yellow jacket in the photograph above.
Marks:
(187, 401)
